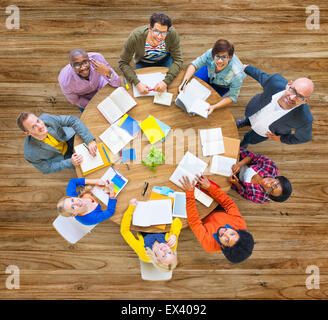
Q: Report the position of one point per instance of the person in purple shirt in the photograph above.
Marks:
(84, 76)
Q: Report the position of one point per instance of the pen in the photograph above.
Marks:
(184, 84)
(106, 154)
(86, 146)
(145, 188)
(151, 89)
(126, 83)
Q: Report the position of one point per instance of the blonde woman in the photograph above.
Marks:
(156, 248)
(82, 206)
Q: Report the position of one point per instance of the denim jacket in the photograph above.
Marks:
(231, 76)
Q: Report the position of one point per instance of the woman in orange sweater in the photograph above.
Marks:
(223, 230)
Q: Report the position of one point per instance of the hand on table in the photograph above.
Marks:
(100, 67)
(109, 188)
(142, 88)
(93, 148)
(160, 86)
(203, 181)
(186, 185)
(272, 136)
(210, 109)
(172, 240)
(76, 159)
(133, 202)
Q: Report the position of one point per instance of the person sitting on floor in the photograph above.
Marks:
(258, 179)
(224, 229)
(156, 248)
(82, 205)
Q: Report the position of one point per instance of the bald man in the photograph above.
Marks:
(84, 76)
(280, 112)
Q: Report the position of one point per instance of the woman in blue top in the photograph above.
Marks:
(82, 206)
(221, 69)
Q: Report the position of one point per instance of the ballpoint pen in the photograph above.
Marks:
(106, 153)
(86, 146)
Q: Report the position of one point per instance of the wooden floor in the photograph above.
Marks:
(291, 236)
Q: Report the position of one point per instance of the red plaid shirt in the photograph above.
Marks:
(263, 166)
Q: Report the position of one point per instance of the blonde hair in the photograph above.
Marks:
(159, 265)
(60, 203)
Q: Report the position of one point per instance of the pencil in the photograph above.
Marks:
(106, 154)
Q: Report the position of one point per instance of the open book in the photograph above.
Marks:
(192, 99)
(164, 98)
(211, 141)
(150, 79)
(152, 212)
(115, 138)
(222, 165)
(118, 180)
(116, 105)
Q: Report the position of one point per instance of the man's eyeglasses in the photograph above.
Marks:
(159, 33)
(78, 65)
(223, 58)
(298, 96)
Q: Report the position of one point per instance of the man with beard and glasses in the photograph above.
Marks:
(84, 76)
(280, 112)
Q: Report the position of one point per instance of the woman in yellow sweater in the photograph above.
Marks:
(156, 248)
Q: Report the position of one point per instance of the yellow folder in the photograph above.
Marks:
(107, 161)
(152, 130)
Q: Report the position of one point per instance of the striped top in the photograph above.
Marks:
(154, 54)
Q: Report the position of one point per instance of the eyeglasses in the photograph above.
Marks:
(159, 33)
(223, 58)
(78, 65)
(298, 96)
(274, 185)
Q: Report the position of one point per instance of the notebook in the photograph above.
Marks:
(211, 141)
(89, 162)
(221, 165)
(118, 180)
(192, 99)
(129, 124)
(150, 79)
(115, 138)
(164, 98)
(116, 105)
(152, 212)
(152, 130)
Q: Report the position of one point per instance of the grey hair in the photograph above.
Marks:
(76, 52)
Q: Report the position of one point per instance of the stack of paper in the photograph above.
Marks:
(116, 105)
(153, 212)
(118, 180)
(154, 129)
(129, 124)
(149, 79)
(116, 138)
(164, 98)
(211, 141)
(222, 165)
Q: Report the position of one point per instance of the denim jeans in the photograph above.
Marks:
(165, 62)
(251, 137)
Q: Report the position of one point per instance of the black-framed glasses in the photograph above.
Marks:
(159, 33)
(298, 96)
(223, 58)
(78, 65)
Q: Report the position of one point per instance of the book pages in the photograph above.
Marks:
(89, 162)
(212, 141)
(222, 165)
(123, 99)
